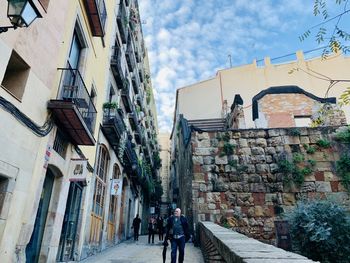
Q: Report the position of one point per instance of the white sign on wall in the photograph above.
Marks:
(116, 187)
(78, 170)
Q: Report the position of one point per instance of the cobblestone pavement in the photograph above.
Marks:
(141, 252)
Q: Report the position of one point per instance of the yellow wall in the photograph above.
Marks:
(203, 100)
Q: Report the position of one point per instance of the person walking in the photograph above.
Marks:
(160, 227)
(151, 229)
(178, 234)
(136, 226)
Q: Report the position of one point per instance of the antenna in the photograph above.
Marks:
(230, 59)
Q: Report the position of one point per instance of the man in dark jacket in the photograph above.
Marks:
(178, 234)
(136, 225)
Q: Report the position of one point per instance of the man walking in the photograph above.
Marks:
(178, 234)
(136, 225)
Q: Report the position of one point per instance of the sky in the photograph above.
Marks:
(190, 40)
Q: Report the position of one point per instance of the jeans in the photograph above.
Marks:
(136, 234)
(178, 243)
(150, 234)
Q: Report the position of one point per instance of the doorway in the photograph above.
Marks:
(70, 223)
(34, 245)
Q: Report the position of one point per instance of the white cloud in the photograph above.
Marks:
(189, 40)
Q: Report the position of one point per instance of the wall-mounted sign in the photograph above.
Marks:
(116, 187)
(78, 170)
(152, 210)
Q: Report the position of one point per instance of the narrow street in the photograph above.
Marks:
(142, 252)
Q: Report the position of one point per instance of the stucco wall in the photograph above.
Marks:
(203, 100)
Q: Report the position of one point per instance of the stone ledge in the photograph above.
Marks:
(237, 248)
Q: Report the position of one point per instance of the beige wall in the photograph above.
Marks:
(203, 100)
(164, 142)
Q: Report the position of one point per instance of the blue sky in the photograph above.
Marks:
(189, 40)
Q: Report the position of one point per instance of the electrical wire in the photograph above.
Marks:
(40, 131)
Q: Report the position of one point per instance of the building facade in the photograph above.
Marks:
(78, 122)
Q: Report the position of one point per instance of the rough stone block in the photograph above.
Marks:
(197, 159)
(288, 199)
(202, 187)
(270, 150)
(211, 206)
(274, 141)
(205, 151)
(261, 142)
(245, 199)
(269, 159)
(243, 143)
(329, 176)
(274, 168)
(257, 188)
(304, 139)
(260, 158)
(323, 187)
(308, 187)
(259, 198)
(250, 169)
(199, 177)
(257, 151)
(204, 143)
(314, 138)
(291, 139)
(221, 160)
(273, 132)
(245, 151)
(208, 160)
(262, 168)
(254, 178)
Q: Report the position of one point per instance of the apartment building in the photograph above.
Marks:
(78, 122)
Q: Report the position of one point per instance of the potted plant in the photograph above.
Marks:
(109, 109)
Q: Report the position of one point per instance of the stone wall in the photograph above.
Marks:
(238, 179)
(222, 245)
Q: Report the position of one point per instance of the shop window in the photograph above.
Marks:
(16, 75)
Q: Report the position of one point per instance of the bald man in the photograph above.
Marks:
(178, 233)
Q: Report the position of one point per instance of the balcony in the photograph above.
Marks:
(113, 126)
(97, 15)
(130, 57)
(130, 157)
(73, 109)
(122, 21)
(117, 67)
(135, 82)
(142, 74)
(126, 98)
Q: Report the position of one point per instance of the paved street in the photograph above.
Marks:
(141, 252)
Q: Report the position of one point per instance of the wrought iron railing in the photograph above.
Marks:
(113, 116)
(102, 12)
(122, 20)
(73, 88)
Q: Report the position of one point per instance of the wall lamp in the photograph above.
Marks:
(21, 13)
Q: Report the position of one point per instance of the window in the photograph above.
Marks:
(302, 121)
(16, 76)
(60, 144)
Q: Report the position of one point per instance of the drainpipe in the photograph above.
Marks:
(222, 96)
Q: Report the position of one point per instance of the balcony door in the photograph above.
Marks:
(70, 86)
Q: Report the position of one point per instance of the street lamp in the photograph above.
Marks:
(21, 14)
